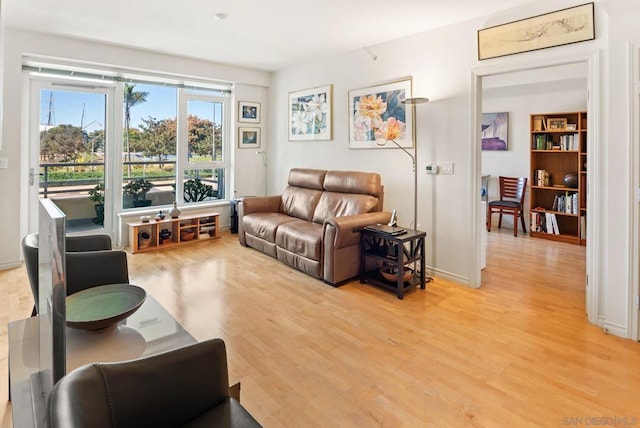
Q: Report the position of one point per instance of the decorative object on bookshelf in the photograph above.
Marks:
(164, 234)
(557, 123)
(187, 235)
(174, 212)
(144, 239)
(571, 180)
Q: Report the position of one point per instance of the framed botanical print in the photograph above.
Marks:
(248, 137)
(310, 114)
(248, 112)
(377, 114)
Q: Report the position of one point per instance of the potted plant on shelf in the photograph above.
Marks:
(96, 195)
(137, 189)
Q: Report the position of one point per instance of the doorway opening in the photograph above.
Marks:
(485, 76)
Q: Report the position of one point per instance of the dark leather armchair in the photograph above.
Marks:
(184, 387)
(90, 262)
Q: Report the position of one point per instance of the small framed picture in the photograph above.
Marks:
(248, 112)
(557, 124)
(248, 138)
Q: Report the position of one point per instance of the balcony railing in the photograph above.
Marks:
(49, 187)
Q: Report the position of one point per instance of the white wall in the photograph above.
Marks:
(441, 62)
(620, 170)
(250, 85)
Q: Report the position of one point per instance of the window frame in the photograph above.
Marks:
(182, 162)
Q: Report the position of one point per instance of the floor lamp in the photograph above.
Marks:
(414, 158)
(264, 163)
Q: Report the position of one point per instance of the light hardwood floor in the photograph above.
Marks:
(517, 352)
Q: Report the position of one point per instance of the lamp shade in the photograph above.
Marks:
(415, 100)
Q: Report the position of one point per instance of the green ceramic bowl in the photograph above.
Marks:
(100, 307)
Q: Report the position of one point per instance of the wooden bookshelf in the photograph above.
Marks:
(185, 229)
(559, 148)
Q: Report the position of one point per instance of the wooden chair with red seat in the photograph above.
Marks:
(512, 192)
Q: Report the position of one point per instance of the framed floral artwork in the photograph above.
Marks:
(248, 112)
(248, 138)
(310, 115)
(377, 114)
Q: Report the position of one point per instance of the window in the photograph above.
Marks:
(171, 144)
(174, 146)
(204, 161)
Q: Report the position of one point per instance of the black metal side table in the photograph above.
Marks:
(393, 252)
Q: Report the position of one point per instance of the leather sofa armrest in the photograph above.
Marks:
(255, 204)
(346, 229)
(269, 204)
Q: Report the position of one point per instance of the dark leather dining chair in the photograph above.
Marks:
(88, 269)
(185, 387)
(105, 267)
(511, 202)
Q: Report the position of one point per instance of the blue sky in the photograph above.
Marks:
(67, 107)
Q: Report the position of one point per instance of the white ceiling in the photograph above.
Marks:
(261, 34)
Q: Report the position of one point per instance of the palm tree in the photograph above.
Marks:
(131, 98)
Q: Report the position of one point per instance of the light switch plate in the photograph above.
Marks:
(446, 168)
(4, 163)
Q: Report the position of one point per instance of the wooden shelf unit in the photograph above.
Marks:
(559, 149)
(204, 227)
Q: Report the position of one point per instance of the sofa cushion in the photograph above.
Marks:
(301, 237)
(300, 202)
(333, 204)
(264, 225)
(353, 182)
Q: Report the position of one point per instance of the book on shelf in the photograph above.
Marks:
(554, 223)
(567, 203)
(542, 177)
(550, 224)
(569, 142)
(541, 142)
(538, 123)
(545, 222)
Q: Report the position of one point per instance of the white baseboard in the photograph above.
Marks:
(615, 329)
(10, 265)
(462, 280)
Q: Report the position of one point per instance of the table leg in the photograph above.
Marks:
(422, 267)
(400, 271)
(361, 259)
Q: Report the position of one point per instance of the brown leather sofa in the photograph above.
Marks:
(314, 226)
(186, 387)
